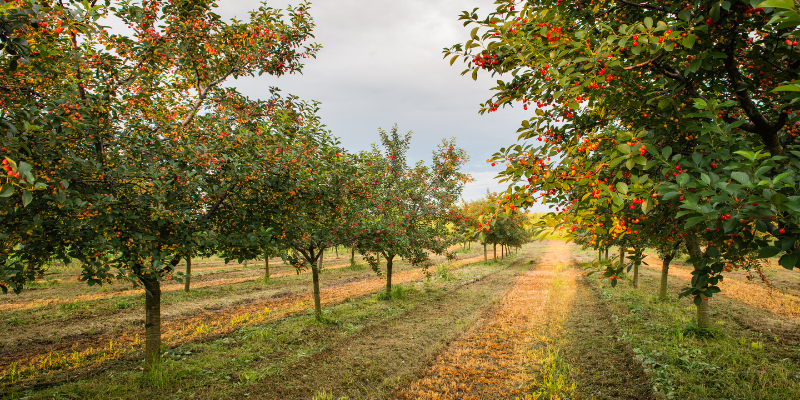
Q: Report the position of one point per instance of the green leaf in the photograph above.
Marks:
(784, 4)
(7, 190)
(788, 261)
(741, 177)
(787, 88)
(769, 251)
(26, 197)
(688, 41)
(648, 22)
(622, 187)
(693, 221)
(666, 152)
(646, 206)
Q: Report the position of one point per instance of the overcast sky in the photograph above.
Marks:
(381, 64)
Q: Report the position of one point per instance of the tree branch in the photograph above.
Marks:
(204, 94)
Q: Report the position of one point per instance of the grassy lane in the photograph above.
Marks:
(749, 353)
(783, 302)
(250, 359)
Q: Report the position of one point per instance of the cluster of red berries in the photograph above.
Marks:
(9, 170)
(486, 61)
(635, 201)
(677, 167)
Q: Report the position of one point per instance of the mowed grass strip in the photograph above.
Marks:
(735, 359)
(489, 360)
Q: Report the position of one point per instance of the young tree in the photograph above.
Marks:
(409, 207)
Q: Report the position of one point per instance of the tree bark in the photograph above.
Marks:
(152, 321)
(495, 252)
(636, 269)
(703, 315)
(662, 292)
(389, 275)
(321, 257)
(621, 256)
(266, 266)
(606, 253)
(353, 256)
(485, 257)
(188, 279)
(317, 303)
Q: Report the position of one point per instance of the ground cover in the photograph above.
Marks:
(530, 326)
(259, 337)
(750, 352)
(57, 337)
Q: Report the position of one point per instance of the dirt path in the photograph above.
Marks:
(519, 345)
(393, 351)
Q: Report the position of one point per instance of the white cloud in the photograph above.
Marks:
(382, 64)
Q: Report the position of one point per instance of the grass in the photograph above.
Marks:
(687, 362)
(232, 362)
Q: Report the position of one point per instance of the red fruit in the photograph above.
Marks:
(632, 206)
(755, 204)
(782, 230)
(493, 164)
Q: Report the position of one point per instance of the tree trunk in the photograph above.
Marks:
(336, 249)
(188, 279)
(389, 275)
(319, 260)
(662, 292)
(266, 266)
(378, 256)
(703, 316)
(485, 257)
(495, 252)
(636, 264)
(469, 245)
(622, 256)
(599, 254)
(353, 256)
(606, 253)
(152, 321)
(317, 303)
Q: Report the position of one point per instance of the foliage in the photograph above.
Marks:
(681, 115)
